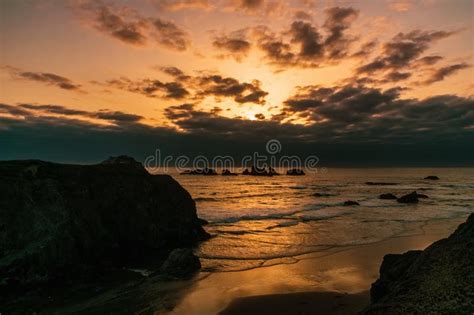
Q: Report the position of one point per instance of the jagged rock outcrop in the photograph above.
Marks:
(437, 280)
(57, 220)
(387, 196)
(181, 263)
(411, 197)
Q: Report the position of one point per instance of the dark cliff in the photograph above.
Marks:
(437, 280)
(57, 219)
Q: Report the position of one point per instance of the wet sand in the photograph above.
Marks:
(299, 303)
(331, 281)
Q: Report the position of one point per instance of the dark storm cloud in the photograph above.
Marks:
(130, 27)
(441, 73)
(44, 77)
(371, 114)
(362, 126)
(403, 51)
(194, 87)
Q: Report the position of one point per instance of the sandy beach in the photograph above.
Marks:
(336, 279)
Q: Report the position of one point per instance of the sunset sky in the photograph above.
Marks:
(351, 81)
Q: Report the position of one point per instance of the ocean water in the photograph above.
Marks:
(262, 221)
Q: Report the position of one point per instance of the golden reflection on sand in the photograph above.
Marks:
(348, 269)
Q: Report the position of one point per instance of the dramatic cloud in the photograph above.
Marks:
(218, 86)
(43, 77)
(302, 45)
(176, 5)
(441, 73)
(116, 117)
(128, 26)
(151, 88)
(170, 35)
(403, 51)
(194, 87)
(235, 44)
(368, 125)
(337, 22)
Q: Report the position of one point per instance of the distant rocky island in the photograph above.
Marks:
(61, 221)
(252, 171)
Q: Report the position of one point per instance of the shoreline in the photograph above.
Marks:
(342, 275)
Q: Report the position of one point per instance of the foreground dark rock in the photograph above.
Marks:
(181, 263)
(351, 203)
(58, 221)
(387, 196)
(432, 177)
(438, 280)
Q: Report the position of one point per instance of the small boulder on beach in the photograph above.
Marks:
(351, 203)
(181, 263)
(387, 196)
(432, 177)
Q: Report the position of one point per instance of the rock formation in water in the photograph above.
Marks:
(432, 177)
(59, 220)
(387, 196)
(351, 203)
(437, 280)
(295, 172)
(260, 171)
(201, 171)
(411, 197)
(228, 173)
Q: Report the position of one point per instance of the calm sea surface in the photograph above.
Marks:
(261, 221)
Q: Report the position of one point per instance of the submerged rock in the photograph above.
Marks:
(228, 173)
(380, 184)
(410, 198)
(432, 177)
(321, 194)
(351, 203)
(61, 220)
(181, 263)
(437, 280)
(295, 172)
(387, 196)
